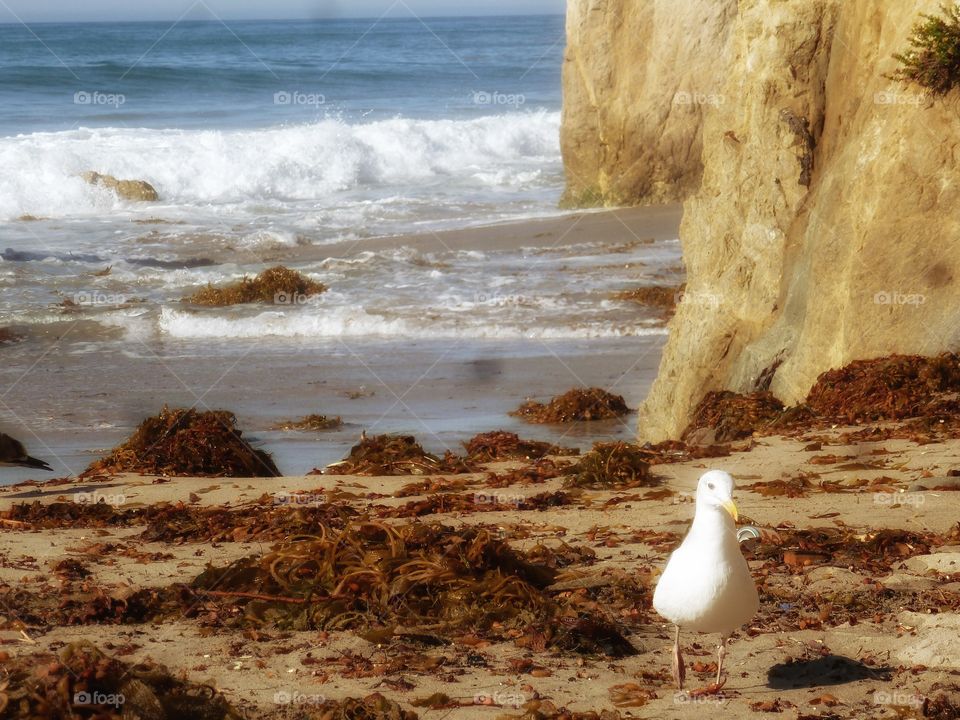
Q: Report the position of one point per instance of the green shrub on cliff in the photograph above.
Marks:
(933, 59)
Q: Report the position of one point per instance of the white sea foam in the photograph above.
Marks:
(288, 165)
(346, 322)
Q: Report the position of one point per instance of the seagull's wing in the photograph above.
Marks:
(12, 452)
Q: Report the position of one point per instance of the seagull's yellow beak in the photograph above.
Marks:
(732, 509)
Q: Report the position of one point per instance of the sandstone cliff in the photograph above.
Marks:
(637, 78)
(826, 226)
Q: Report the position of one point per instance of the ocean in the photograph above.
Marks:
(304, 143)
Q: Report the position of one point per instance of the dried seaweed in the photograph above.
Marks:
(372, 707)
(574, 405)
(616, 465)
(267, 520)
(279, 285)
(539, 472)
(187, 443)
(81, 681)
(425, 576)
(547, 710)
(502, 445)
(888, 388)
(385, 455)
(310, 422)
(731, 416)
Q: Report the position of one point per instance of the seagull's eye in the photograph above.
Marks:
(710, 485)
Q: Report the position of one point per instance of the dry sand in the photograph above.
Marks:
(879, 667)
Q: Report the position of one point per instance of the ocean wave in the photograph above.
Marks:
(343, 322)
(295, 164)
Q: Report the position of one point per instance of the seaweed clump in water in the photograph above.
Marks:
(278, 285)
(80, 678)
(733, 417)
(187, 443)
(616, 465)
(384, 455)
(311, 422)
(889, 388)
(577, 404)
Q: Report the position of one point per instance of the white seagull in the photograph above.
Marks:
(706, 586)
(12, 452)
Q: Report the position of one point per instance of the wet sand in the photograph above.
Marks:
(74, 400)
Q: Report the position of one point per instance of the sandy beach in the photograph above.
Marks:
(812, 624)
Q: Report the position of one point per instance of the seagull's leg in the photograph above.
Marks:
(721, 653)
(679, 671)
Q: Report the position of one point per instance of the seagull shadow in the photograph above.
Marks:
(826, 670)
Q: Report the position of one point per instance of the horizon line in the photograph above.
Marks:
(280, 19)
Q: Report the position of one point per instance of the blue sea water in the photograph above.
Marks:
(215, 76)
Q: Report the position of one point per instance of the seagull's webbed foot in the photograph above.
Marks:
(679, 671)
(712, 689)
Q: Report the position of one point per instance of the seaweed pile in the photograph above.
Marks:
(502, 445)
(889, 388)
(426, 576)
(384, 455)
(372, 707)
(187, 443)
(81, 681)
(165, 522)
(278, 285)
(616, 465)
(574, 405)
(731, 416)
(313, 423)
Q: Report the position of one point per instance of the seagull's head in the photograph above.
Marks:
(715, 490)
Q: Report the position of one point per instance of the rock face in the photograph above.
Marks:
(134, 190)
(825, 227)
(637, 78)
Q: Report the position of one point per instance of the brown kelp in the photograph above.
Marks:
(81, 681)
(187, 442)
(383, 455)
(313, 423)
(574, 405)
(426, 576)
(278, 285)
(731, 416)
(616, 465)
(503, 445)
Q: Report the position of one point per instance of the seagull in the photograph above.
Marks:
(12, 452)
(706, 586)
